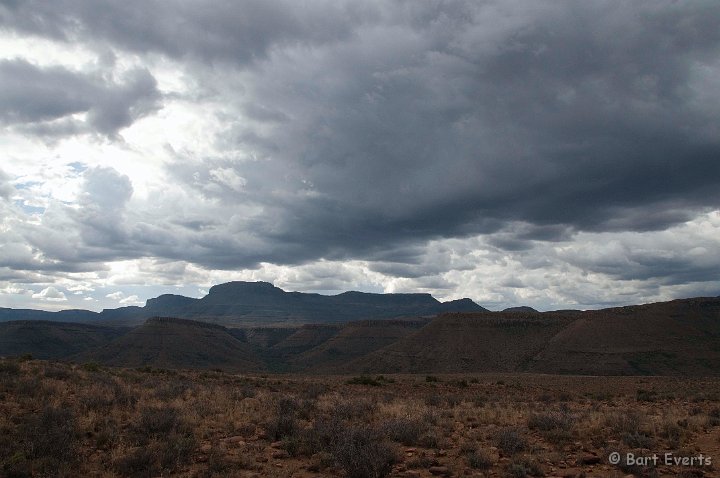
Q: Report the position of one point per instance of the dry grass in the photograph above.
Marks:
(61, 419)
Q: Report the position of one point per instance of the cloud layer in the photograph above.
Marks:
(556, 153)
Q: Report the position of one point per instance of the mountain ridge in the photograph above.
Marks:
(257, 303)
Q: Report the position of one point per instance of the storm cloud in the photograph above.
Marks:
(402, 145)
(44, 100)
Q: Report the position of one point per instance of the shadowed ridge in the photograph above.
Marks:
(168, 342)
(679, 337)
(52, 340)
(355, 339)
(185, 322)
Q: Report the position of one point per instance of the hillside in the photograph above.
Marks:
(52, 340)
(355, 339)
(680, 337)
(666, 338)
(454, 343)
(176, 343)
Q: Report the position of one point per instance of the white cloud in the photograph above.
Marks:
(50, 294)
(131, 300)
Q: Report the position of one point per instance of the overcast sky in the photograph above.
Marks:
(545, 153)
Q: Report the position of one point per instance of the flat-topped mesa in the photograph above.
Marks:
(382, 299)
(184, 322)
(242, 287)
(169, 300)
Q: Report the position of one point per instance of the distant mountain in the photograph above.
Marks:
(522, 308)
(51, 340)
(177, 343)
(262, 304)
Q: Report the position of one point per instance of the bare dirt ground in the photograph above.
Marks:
(59, 419)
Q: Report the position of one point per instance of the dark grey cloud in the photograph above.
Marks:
(42, 100)
(236, 32)
(366, 131)
(568, 117)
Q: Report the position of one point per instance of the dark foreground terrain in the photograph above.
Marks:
(64, 419)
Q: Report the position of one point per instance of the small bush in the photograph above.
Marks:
(523, 467)
(713, 419)
(407, 431)
(8, 368)
(453, 400)
(158, 421)
(314, 390)
(511, 441)
(284, 423)
(357, 408)
(433, 400)
(57, 373)
(363, 453)
(643, 395)
(546, 422)
(91, 367)
(175, 450)
(422, 461)
(170, 391)
(480, 460)
(638, 439)
(364, 380)
(431, 379)
(139, 462)
(50, 438)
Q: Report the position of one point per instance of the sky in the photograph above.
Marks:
(556, 154)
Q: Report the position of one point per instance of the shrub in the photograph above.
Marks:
(407, 431)
(453, 400)
(139, 462)
(431, 379)
(511, 441)
(546, 422)
(364, 380)
(643, 395)
(523, 467)
(362, 453)
(91, 367)
(638, 439)
(314, 390)
(8, 368)
(284, 423)
(433, 400)
(171, 390)
(176, 449)
(355, 408)
(713, 419)
(50, 438)
(158, 421)
(480, 460)
(422, 461)
(57, 373)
